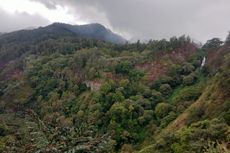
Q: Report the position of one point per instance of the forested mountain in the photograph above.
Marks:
(63, 89)
(55, 30)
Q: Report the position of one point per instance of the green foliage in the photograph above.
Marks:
(187, 69)
(215, 147)
(124, 121)
(48, 87)
(187, 94)
(199, 132)
(178, 148)
(146, 118)
(123, 67)
(162, 110)
(107, 87)
(193, 138)
(168, 118)
(189, 80)
(3, 129)
(135, 75)
(156, 97)
(212, 43)
(226, 117)
(195, 114)
(165, 89)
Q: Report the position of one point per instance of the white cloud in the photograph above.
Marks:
(59, 14)
(137, 19)
(15, 21)
(16, 9)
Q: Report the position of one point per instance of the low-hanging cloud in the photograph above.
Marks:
(153, 19)
(157, 19)
(11, 22)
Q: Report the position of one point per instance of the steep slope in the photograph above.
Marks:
(212, 104)
(82, 95)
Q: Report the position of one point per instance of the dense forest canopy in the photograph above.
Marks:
(63, 93)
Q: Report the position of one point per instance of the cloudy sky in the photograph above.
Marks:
(134, 19)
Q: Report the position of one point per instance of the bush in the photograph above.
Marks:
(126, 148)
(3, 129)
(135, 75)
(216, 147)
(167, 119)
(194, 138)
(178, 148)
(123, 68)
(156, 98)
(226, 117)
(187, 69)
(118, 97)
(189, 80)
(165, 89)
(162, 110)
(195, 114)
(147, 93)
(107, 87)
(187, 94)
(148, 115)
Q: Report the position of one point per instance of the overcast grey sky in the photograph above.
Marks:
(134, 19)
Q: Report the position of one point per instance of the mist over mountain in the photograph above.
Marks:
(90, 31)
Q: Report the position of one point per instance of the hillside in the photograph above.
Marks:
(61, 91)
(202, 119)
(58, 36)
(91, 31)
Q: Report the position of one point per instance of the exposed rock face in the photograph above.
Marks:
(93, 85)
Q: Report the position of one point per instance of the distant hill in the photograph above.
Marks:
(56, 30)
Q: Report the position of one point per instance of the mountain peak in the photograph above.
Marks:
(95, 25)
(57, 29)
(92, 30)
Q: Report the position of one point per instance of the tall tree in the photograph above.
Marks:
(227, 41)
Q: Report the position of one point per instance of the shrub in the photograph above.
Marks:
(216, 147)
(156, 98)
(107, 87)
(187, 94)
(196, 114)
(147, 93)
(118, 97)
(178, 148)
(195, 137)
(165, 89)
(148, 115)
(123, 68)
(3, 129)
(127, 148)
(167, 119)
(187, 69)
(189, 80)
(226, 117)
(162, 110)
(135, 75)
